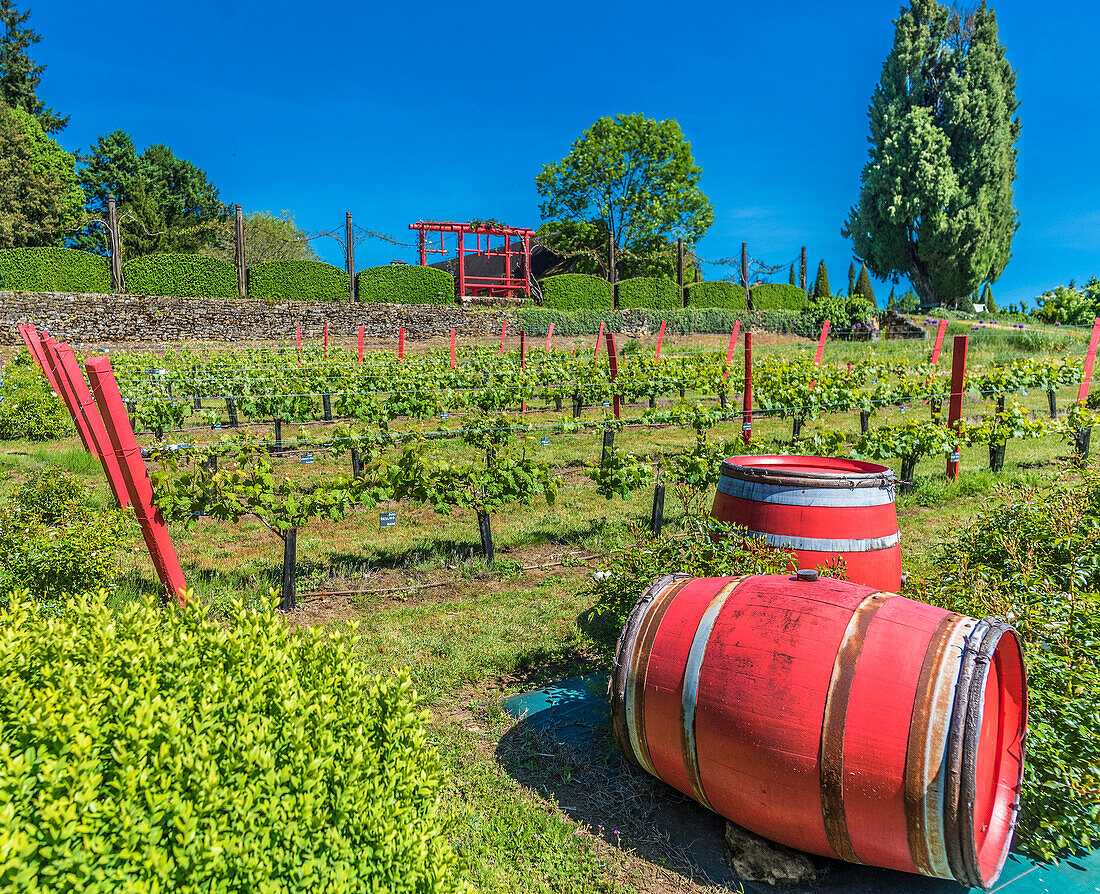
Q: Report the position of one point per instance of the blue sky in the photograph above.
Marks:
(428, 110)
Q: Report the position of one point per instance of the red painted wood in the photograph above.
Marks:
(661, 338)
(613, 366)
(940, 331)
(1090, 359)
(453, 357)
(503, 332)
(360, 345)
(958, 383)
(746, 407)
(34, 343)
(732, 345)
(401, 343)
(549, 337)
(53, 363)
(523, 361)
(326, 341)
(599, 338)
(113, 413)
(821, 343)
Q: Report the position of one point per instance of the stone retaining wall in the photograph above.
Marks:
(80, 318)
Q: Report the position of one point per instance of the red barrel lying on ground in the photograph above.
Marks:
(830, 717)
(821, 508)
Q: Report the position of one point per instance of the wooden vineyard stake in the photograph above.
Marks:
(661, 338)
(746, 407)
(599, 338)
(290, 567)
(503, 333)
(730, 349)
(49, 351)
(113, 414)
(608, 446)
(360, 345)
(613, 366)
(401, 343)
(34, 344)
(1090, 360)
(453, 357)
(486, 531)
(326, 341)
(549, 338)
(239, 256)
(940, 331)
(298, 338)
(657, 514)
(349, 251)
(954, 412)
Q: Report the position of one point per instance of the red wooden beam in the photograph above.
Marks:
(746, 419)
(821, 343)
(661, 338)
(549, 337)
(1090, 360)
(940, 330)
(65, 392)
(958, 383)
(453, 364)
(613, 366)
(599, 338)
(360, 345)
(730, 349)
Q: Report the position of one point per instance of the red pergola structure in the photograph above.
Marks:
(480, 281)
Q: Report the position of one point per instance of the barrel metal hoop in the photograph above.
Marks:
(806, 493)
(834, 722)
(847, 480)
(690, 691)
(828, 545)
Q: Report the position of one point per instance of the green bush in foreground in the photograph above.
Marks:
(686, 321)
(297, 281)
(29, 410)
(53, 270)
(576, 292)
(655, 292)
(149, 749)
(187, 276)
(405, 284)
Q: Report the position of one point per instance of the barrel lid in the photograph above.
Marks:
(808, 471)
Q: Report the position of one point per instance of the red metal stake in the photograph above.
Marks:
(746, 415)
(523, 361)
(503, 332)
(661, 338)
(453, 359)
(941, 329)
(549, 338)
(360, 345)
(1090, 359)
(401, 343)
(125, 446)
(53, 362)
(613, 366)
(326, 341)
(821, 343)
(599, 338)
(70, 371)
(732, 345)
(954, 413)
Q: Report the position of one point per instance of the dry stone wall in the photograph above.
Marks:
(80, 318)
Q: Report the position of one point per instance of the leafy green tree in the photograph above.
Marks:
(863, 287)
(267, 237)
(633, 178)
(39, 196)
(821, 282)
(19, 76)
(936, 201)
(164, 203)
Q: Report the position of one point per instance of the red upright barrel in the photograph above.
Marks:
(830, 717)
(819, 507)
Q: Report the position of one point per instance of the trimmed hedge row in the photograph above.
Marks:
(716, 294)
(185, 276)
(297, 281)
(53, 270)
(405, 284)
(657, 292)
(152, 748)
(686, 321)
(576, 291)
(779, 296)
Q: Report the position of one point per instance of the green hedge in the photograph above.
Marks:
(152, 748)
(687, 321)
(53, 270)
(405, 284)
(297, 281)
(716, 294)
(650, 292)
(186, 276)
(576, 291)
(778, 296)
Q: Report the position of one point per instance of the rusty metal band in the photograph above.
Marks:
(690, 690)
(845, 480)
(952, 820)
(833, 723)
(639, 666)
(927, 739)
(623, 665)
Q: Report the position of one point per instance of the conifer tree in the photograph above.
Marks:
(19, 76)
(793, 279)
(851, 279)
(987, 299)
(863, 287)
(821, 282)
(945, 107)
(890, 301)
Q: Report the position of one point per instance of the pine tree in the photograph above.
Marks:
(19, 76)
(793, 280)
(851, 279)
(863, 287)
(821, 283)
(946, 106)
(891, 300)
(987, 300)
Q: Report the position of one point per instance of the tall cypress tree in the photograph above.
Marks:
(851, 278)
(863, 287)
(821, 282)
(792, 279)
(19, 76)
(936, 201)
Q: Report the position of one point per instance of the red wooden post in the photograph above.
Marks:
(599, 338)
(113, 413)
(613, 366)
(954, 413)
(453, 363)
(941, 329)
(661, 338)
(326, 341)
(298, 337)
(34, 342)
(1090, 360)
(503, 332)
(523, 361)
(732, 345)
(461, 262)
(549, 338)
(53, 362)
(401, 343)
(70, 371)
(746, 415)
(360, 345)
(821, 343)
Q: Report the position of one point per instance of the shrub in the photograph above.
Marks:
(686, 321)
(405, 284)
(716, 294)
(297, 281)
(576, 291)
(192, 276)
(821, 282)
(53, 495)
(29, 410)
(148, 749)
(53, 270)
(778, 296)
(650, 292)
